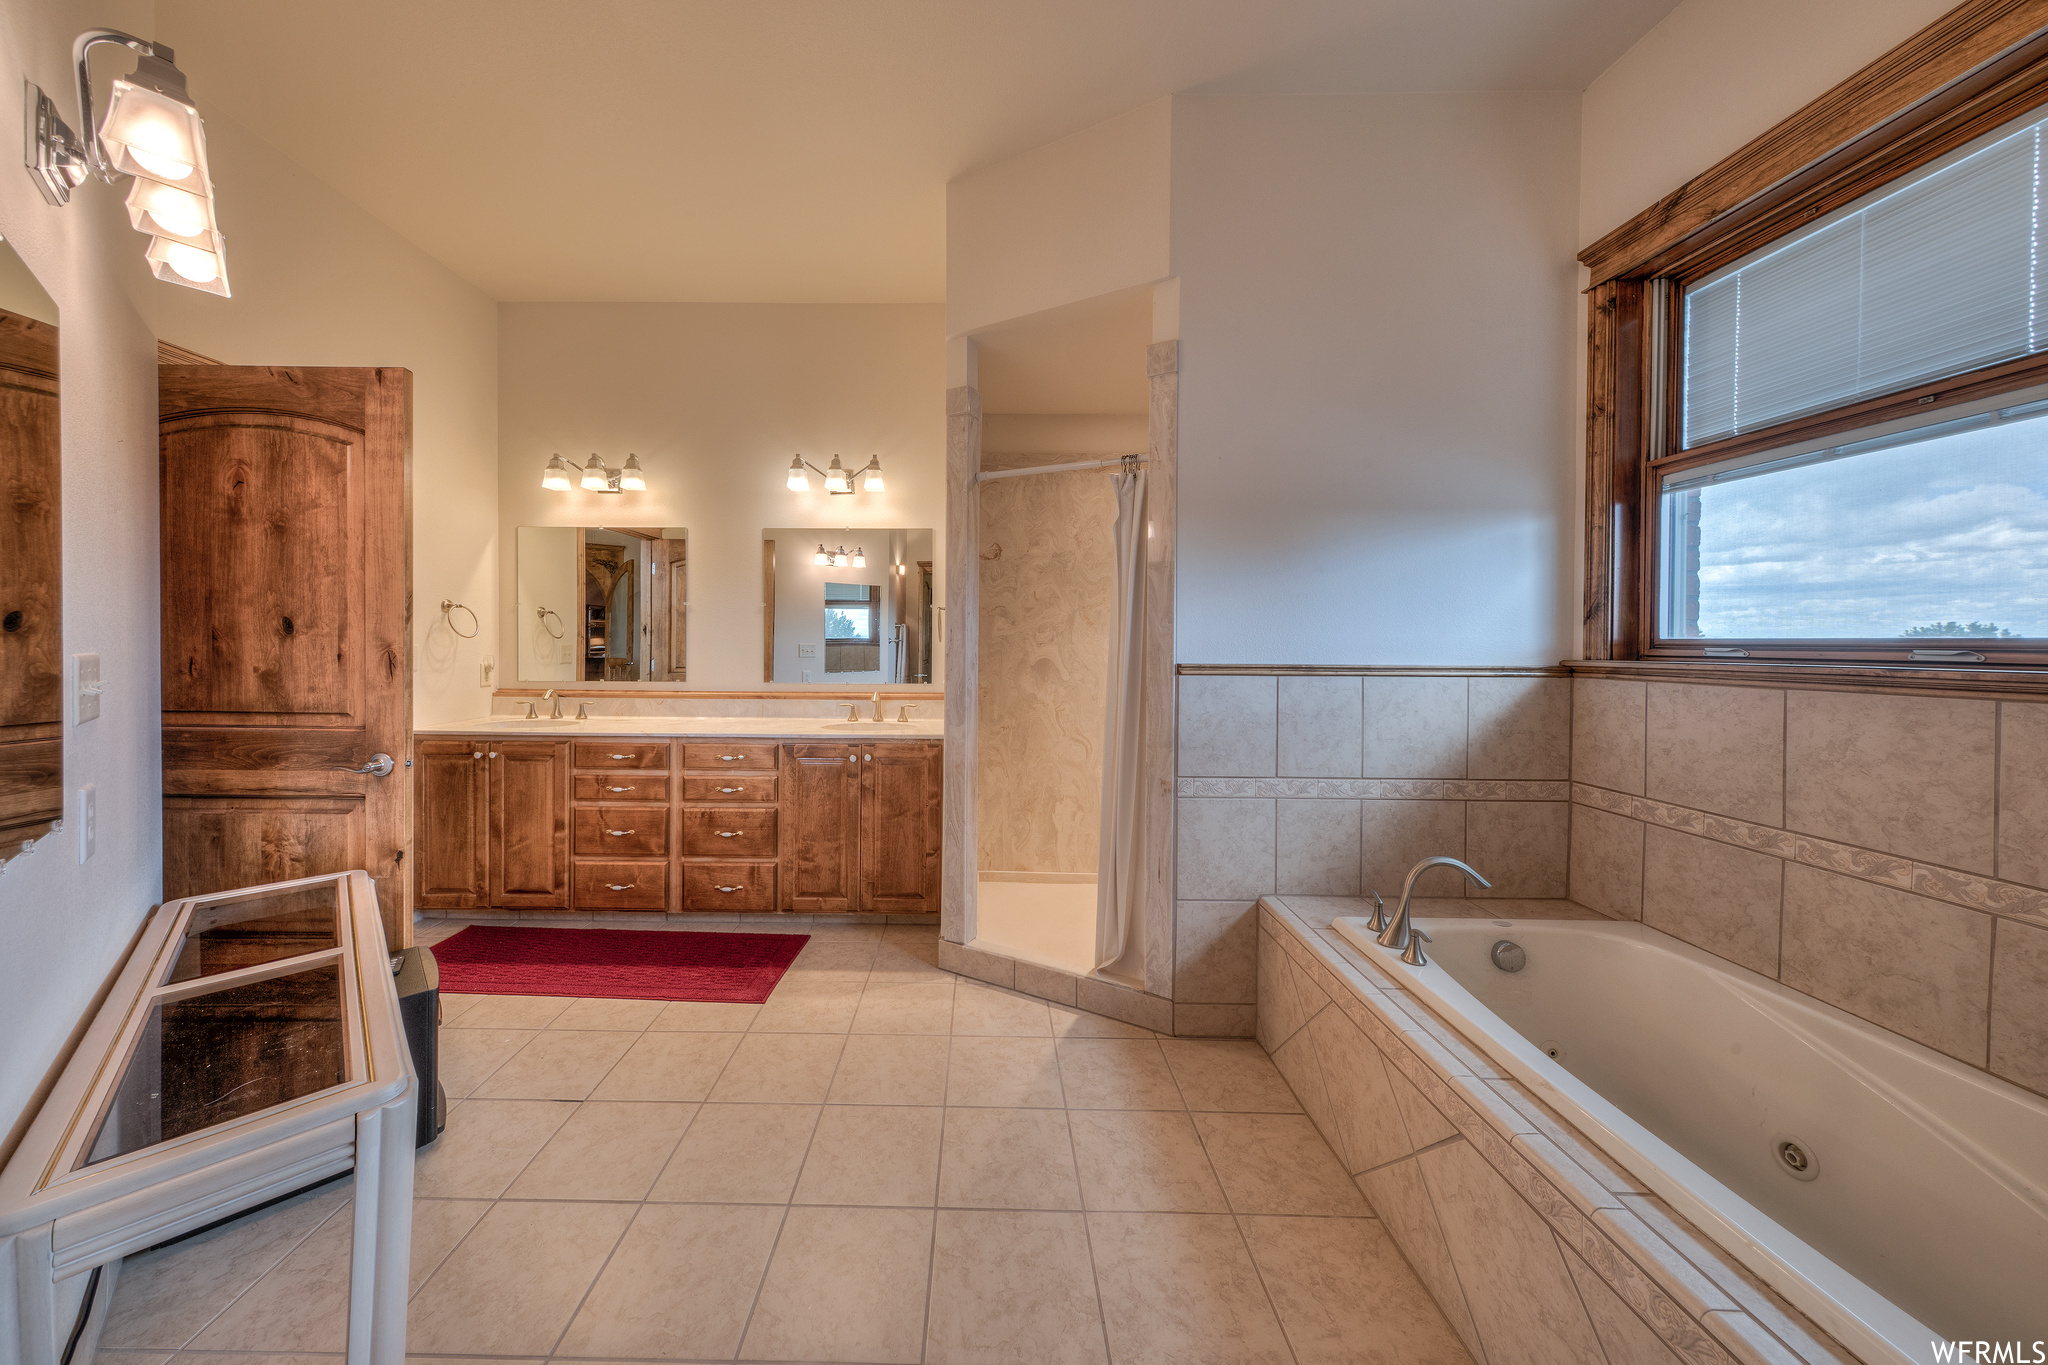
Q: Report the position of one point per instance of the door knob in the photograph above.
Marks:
(380, 765)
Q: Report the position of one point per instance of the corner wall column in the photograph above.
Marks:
(963, 654)
(1162, 488)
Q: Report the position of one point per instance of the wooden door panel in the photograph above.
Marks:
(31, 627)
(530, 824)
(621, 831)
(735, 832)
(451, 845)
(820, 847)
(900, 846)
(728, 886)
(619, 886)
(286, 569)
(222, 843)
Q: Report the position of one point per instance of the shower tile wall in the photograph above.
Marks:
(1886, 854)
(1336, 786)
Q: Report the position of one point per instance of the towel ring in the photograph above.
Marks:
(448, 605)
(544, 613)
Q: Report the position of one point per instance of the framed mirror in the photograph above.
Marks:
(31, 634)
(847, 606)
(603, 604)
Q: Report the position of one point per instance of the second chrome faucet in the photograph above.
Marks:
(1397, 934)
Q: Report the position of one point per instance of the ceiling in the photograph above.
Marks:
(780, 150)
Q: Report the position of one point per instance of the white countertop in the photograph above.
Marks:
(707, 727)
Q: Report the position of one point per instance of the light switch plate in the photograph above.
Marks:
(86, 687)
(806, 651)
(88, 821)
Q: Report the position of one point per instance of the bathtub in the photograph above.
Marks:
(1921, 1211)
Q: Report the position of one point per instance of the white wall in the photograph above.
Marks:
(1376, 360)
(546, 648)
(715, 399)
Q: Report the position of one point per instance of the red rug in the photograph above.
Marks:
(616, 964)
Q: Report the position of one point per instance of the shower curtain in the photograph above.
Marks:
(1119, 881)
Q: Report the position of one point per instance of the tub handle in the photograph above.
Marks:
(1412, 955)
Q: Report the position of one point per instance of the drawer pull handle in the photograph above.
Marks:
(620, 886)
(728, 834)
(619, 756)
(730, 758)
(618, 789)
(729, 790)
(618, 833)
(730, 889)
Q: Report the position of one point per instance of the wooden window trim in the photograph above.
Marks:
(1983, 64)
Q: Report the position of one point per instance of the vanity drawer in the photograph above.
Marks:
(614, 755)
(618, 886)
(747, 754)
(728, 886)
(730, 787)
(619, 787)
(713, 833)
(619, 831)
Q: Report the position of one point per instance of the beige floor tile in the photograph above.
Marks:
(486, 1145)
(1073, 1023)
(1116, 1073)
(845, 1285)
(694, 1016)
(605, 1151)
(1345, 1295)
(1143, 1161)
(1228, 1076)
(823, 1008)
(513, 1011)
(301, 1305)
(844, 953)
(467, 1056)
(882, 1068)
(164, 1298)
(629, 1016)
(1007, 1159)
(925, 1007)
(780, 1068)
(1013, 1289)
(905, 961)
(1180, 1289)
(438, 1225)
(134, 1357)
(980, 1010)
(679, 1067)
(243, 1358)
(557, 1066)
(1278, 1164)
(680, 1284)
(873, 1154)
(515, 1281)
(1004, 1073)
(739, 1154)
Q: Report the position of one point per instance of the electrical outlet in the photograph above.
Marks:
(85, 669)
(806, 675)
(486, 672)
(88, 822)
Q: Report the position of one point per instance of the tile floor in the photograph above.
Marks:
(883, 1163)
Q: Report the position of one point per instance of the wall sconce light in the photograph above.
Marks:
(836, 476)
(153, 133)
(596, 476)
(839, 559)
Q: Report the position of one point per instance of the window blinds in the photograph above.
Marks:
(1919, 280)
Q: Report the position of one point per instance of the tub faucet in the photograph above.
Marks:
(1395, 935)
(553, 696)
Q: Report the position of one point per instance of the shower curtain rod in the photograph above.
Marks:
(1131, 461)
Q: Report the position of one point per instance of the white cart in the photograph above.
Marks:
(250, 1047)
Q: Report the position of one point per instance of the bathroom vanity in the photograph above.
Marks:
(689, 815)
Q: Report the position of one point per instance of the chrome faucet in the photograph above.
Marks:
(555, 697)
(877, 700)
(1395, 935)
(903, 712)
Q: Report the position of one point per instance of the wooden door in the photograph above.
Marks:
(529, 824)
(287, 639)
(820, 827)
(451, 843)
(31, 658)
(667, 612)
(900, 827)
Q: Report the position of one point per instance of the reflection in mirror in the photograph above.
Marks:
(602, 604)
(31, 660)
(838, 623)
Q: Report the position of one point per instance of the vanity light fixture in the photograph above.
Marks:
(152, 133)
(838, 479)
(840, 559)
(596, 476)
(555, 478)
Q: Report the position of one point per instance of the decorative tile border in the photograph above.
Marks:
(1966, 889)
(1375, 788)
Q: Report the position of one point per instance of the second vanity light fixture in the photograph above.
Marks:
(839, 559)
(596, 476)
(837, 478)
(153, 133)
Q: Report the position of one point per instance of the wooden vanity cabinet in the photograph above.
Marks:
(621, 839)
(529, 803)
(451, 842)
(820, 856)
(729, 824)
(861, 827)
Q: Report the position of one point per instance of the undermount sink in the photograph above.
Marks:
(870, 726)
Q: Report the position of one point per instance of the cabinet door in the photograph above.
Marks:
(820, 850)
(451, 843)
(900, 827)
(529, 824)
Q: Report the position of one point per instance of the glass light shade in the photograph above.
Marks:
(555, 478)
(168, 211)
(630, 478)
(860, 557)
(821, 558)
(193, 266)
(839, 560)
(837, 480)
(151, 134)
(596, 477)
(872, 475)
(799, 481)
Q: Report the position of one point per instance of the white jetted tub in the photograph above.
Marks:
(1894, 1195)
